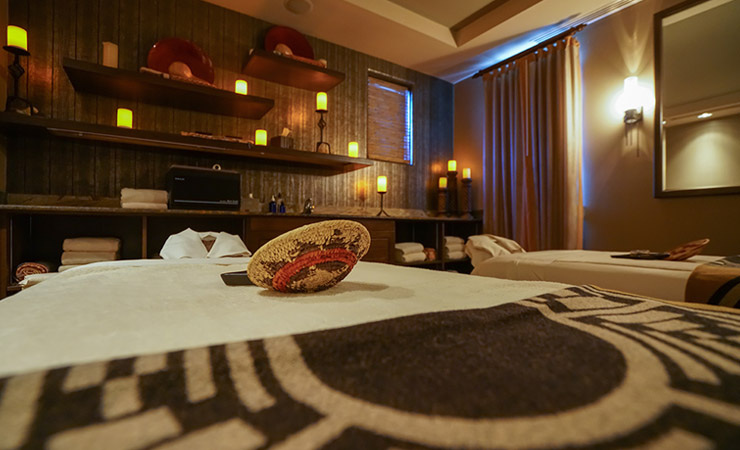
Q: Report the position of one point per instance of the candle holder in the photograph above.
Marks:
(452, 193)
(442, 202)
(16, 103)
(382, 211)
(467, 198)
(321, 146)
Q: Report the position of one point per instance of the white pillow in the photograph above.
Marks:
(189, 244)
(485, 246)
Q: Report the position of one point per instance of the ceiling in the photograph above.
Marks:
(449, 39)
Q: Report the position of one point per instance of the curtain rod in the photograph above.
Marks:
(560, 36)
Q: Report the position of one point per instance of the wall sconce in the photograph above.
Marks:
(632, 101)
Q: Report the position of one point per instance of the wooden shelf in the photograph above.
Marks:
(13, 122)
(271, 67)
(148, 88)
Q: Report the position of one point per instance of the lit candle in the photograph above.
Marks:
(443, 182)
(452, 165)
(353, 150)
(240, 87)
(466, 173)
(17, 37)
(260, 137)
(382, 183)
(125, 118)
(321, 101)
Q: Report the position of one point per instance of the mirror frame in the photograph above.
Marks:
(658, 190)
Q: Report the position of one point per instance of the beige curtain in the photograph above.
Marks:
(532, 155)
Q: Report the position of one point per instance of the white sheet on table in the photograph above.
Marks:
(125, 308)
(653, 278)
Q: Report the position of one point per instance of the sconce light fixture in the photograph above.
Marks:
(632, 101)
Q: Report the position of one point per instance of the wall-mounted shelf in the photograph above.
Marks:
(271, 67)
(12, 122)
(135, 86)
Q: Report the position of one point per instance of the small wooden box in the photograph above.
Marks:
(281, 141)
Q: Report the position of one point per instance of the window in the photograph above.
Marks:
(389, 121)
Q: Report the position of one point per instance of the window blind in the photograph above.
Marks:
(389, 121)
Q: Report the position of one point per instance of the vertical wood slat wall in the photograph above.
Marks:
(77, 28)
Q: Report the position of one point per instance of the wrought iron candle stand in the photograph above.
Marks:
(321, 146)
(382, 211)
(14, 102)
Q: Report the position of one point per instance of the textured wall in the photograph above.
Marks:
(76, 28)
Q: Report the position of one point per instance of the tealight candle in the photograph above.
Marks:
(382, 184)
(240, 87)
(353, 149)
(260, 137)
(452, 165)
(443, 182)
(466, 173)
(125, 118)
(17, 37)
(321, 101)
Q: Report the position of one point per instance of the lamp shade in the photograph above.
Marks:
(321, 101)
(17, 37)
(241, 87)
(452, 165)
(631, 94)
(382, 183)
(124, 118)
(260, 137)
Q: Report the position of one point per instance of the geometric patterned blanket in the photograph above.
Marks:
(581, 367)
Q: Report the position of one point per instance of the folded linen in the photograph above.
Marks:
(36, 278)
(129, 195)
(454, 247)
(454, 240)
(90, 244)
(69, 258)
(190, 244)
(31, 268)
(410, 257)
(143, 205)
(409, 247)
(63, 268)
(455, 255)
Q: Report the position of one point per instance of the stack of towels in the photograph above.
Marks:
(407, 252)
(86, 250)
(143, 199)
(454, 247)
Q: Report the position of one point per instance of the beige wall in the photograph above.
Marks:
(620, 211)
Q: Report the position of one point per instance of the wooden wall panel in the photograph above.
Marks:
(77, 28)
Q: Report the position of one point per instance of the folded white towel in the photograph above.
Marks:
(189, 244)
(129, 195)
(90, 244)
(454, 248)
(455, 255)
(411, 257)
(143, 205)
(409, 247)
(70, 258)
(454, 240)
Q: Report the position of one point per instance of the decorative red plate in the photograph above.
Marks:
(170, 50)
(290, 37)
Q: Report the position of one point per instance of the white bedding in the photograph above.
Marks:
(125, 308)
(658, 279)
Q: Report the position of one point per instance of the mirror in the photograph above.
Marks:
(697, 90)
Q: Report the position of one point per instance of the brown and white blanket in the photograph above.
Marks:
(716, 283)
(580, 367)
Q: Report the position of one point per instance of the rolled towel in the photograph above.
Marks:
(142, 205)
(454, 247)
(129, 195)
(34, 279)
(72, 258)
(411, 257)
(32, 268)
(454, 240)
(88, 244)
(409, 247)
(455, 255)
